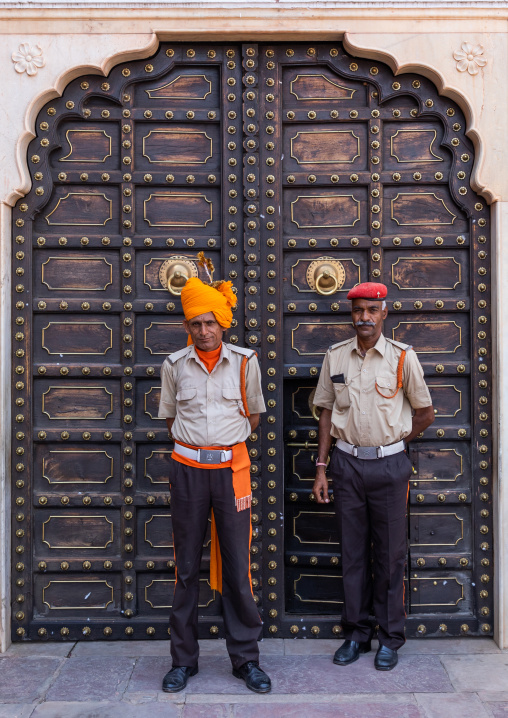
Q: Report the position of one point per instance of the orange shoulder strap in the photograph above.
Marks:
(243, 390)
(400, 369)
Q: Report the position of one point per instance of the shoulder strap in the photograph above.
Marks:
(172, 358)
(339, 344)
(400, 345)
(241, 350)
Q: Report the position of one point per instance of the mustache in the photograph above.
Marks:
(364, 324)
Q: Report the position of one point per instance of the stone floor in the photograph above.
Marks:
(466, 678)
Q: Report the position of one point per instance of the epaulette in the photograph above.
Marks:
(172, 358)
(241, 350)
(340, 344)
(400, 345)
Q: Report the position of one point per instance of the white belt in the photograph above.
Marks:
(204, 456)
(370, 452)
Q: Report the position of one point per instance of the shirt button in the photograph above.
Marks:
(363, 412)
(364, 371)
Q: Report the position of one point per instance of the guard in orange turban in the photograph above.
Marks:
(200, 298)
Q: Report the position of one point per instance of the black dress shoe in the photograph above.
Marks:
(386, 658)
(255, 678)
(350, 652)
(176, 679)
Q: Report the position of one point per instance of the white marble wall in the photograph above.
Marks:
(76, 39)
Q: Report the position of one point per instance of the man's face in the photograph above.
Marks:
(368, 317)
(205, 331)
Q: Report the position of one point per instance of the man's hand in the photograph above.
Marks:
(320, 488)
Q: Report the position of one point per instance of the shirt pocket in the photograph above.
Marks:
(232, 399)
(186, 394)
(342, 400)
(386, 384)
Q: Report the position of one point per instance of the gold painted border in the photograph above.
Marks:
(441, 515)
(74, 418)
(147, 459)
(80, 224)
(461, 472)
(79, 259)
(173, 580)
(323, 324)
(313, 600)
(77, 451)
(439, 578)
(147, 394)
(173, 224)
(171, 97)
(152, 324)
(103, 132)
(324, 196)
(327, 132)
(328, 99)
(431, 322)
(177, 132)
(79, 324)
(392, 153)
(314, 513)
(420, 224)
(444, 386)
(75, 608)
(76, 516)
(424, 259)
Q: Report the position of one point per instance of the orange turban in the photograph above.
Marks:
(200, 298)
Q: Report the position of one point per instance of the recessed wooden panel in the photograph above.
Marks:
(438, 530)
(436, 464)
(177, 147)
(426, 273)
(87, 273)
(310, 86)
(76, 466)
(316, 527)
(312, 338)
(183, 87)
(446, 400)
(326, 210)
(78, 530)
(147, 402)
(353, 270)
(92, 594)
(159, 336)
(82, 209)
(311, 588)
(438, 591)
(149, 280)
(325, 147)
(184, 209)
(158, 593)
(414, 145)
(431, 336)
(155, 533)
(77, 403)
(87, 145)
(303, 463)
(84, 337)
(302, 403)
(414, 209)
(153, 466)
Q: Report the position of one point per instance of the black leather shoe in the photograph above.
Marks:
(176, 679)
(350, 652)
(386, 658)
(255, 678)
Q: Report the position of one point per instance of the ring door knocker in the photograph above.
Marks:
(174, 273)
(326, 275)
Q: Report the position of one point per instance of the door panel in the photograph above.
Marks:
(301, 171)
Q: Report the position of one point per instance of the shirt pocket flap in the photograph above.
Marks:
(186, 394)
(231, 392)
(385, 382)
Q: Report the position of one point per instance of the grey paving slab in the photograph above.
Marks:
(25, 680)
(92, 678)
(351, 709)
(126, 649)
(429, 646)
(16, 711)
(498, 710)
(208, 711)
(64, 709)
(477, 673)
(451, 705)
(489, 696)
(53, 650)
(306, 674)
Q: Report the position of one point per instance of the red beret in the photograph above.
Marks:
(368, 290)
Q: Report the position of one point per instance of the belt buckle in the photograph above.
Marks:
(367, 452)
(210, 456)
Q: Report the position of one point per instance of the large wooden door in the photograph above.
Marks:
(301, 171)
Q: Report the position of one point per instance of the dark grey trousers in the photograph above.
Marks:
(371, 508)
(193, 492)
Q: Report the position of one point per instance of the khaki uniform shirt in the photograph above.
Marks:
(206, 407)
(360, 415)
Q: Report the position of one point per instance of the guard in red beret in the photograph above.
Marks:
(374, 401)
